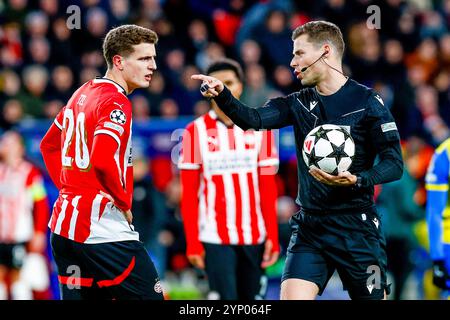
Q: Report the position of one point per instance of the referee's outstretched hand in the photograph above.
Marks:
(342, 179)
(211, 87)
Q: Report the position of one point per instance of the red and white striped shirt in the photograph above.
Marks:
(221, 170)
(23, 203)
(81, 213)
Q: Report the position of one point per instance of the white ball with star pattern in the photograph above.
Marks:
(118, 116)
(330, 148)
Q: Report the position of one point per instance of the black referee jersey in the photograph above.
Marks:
(355, 106)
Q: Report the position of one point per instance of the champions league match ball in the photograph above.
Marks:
(329, 148)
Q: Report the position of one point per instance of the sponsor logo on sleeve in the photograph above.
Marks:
(379, 99)
(113, 126)
(389, 126)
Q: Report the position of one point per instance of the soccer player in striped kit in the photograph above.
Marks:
(229, 197)
(87, 151)
(24, 213)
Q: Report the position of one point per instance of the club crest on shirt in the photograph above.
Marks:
(118, 116)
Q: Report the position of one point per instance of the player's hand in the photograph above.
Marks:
(38, 242)
(269, 256)
(197, 260)
(441, 277)
(211, 87)
(342, 179)
(128, 215)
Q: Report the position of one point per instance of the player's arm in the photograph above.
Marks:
(267, 168)
(51, 149)
(41, 210)
(386, 141)
(273, 115)
(437, 186)
(437, 195)
(190, 173)
(108, 139)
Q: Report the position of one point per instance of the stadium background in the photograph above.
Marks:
(407, 60)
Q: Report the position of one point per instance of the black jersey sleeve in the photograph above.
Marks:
(273, 115)
(385, 139)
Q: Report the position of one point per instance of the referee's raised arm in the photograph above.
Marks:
(274, 114)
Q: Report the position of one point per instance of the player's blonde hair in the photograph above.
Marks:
(121, 40)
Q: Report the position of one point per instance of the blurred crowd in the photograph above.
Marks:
(43, 59)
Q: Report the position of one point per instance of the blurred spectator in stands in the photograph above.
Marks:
(16, 10)
(200, 108)
(61, 44)
(52, 108)
(97, 25)
(392, 63)
(427, 103)
(141, 108)
(168, 109)
(10, 85)
(199, 38)
(12, 114)
(167, 39)
(155, 93)
(425, 57)
(174, 66)
(61, 84)
(186, 92)
(89, 73)
(11, 51)
(364, 52)
(24, 213)
(444, 52)
(400, 211)
(250, 53)
(35, 80)
(149, 213)
(284, 80)
(37, 24)
(227, 21)
(151, 9)
(257, 91)
(432, 25)
(407, 31)
(50, 7)
(38, 52)
(275, 34)
(213, 52)
(120, 12)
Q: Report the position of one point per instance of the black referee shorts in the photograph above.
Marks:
(352, 244)
(119, 270)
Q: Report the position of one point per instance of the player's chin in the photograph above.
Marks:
(146, 82)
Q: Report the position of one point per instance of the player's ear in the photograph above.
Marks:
(326, 50)
(118, 62)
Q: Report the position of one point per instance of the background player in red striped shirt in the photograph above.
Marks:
(87, 151)
(229, 198)
(24, 214)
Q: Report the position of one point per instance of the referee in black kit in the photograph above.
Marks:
(337, 227)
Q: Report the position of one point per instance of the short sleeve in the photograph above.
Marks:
(190, 157)
(114, 118)
(59, 119)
